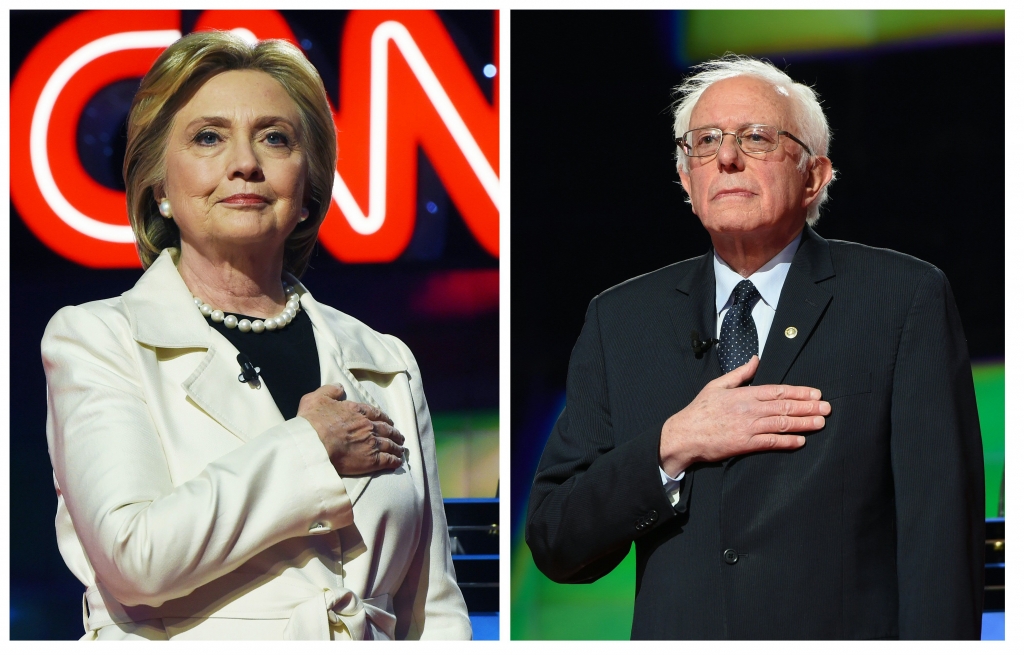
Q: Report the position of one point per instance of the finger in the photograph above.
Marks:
(373, 413)
(777, 441)
(785, 392)
(383, 460)
(335, 391)
(794, 408)
(386, 445)
(389, 461)
(390, 432)
(771, 424)
(737, 376)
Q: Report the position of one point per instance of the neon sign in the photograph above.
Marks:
(403, 86)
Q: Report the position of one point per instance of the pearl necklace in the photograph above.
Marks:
(270, 324)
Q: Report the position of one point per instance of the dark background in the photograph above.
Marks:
(457, 352)
(596, 199)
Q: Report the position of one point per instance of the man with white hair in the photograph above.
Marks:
(786, 427)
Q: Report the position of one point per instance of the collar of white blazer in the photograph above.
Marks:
(161, 314)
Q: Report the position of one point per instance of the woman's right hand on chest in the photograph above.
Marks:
(359, 439)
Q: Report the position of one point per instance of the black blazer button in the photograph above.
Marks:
(730, 556)
(639, 525)
(652, 516)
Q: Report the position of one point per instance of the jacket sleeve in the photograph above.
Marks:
(147, 540)
(592, 497)
(938, 472)
(429, 603)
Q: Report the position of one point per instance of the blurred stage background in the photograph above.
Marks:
(596, 201)
(429, 275)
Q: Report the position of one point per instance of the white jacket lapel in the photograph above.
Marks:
(162, 314)
(240, 407)
(340, 356)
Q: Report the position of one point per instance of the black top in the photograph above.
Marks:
(287, 359)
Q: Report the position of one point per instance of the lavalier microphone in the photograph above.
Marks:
(700, 346)
(250, 373)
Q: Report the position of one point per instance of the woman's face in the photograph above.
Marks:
(236, 165)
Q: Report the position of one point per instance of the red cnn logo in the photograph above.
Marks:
(403, 85)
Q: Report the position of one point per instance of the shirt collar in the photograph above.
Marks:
(768, 279)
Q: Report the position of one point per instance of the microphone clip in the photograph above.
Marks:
(250, 373)
(700, 346)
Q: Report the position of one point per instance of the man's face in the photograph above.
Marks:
(735, 192)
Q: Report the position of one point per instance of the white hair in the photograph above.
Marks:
(810, 119)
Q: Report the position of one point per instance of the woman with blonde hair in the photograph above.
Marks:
(234, 460)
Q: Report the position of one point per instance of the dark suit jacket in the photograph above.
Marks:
(874, 529)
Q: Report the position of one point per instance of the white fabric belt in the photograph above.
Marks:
(307, 620)
(310, 612)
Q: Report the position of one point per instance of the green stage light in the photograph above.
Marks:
(712, 33)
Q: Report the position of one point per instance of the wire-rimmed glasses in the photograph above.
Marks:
(752, 139)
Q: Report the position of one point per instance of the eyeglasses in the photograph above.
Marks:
(753, 140)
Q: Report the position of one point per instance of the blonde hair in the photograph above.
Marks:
(168, 86)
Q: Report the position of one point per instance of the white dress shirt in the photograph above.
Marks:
(768, 280)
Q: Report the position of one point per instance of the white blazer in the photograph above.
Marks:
(190, 509)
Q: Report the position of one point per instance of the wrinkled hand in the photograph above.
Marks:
(726, 419)
(359, 438)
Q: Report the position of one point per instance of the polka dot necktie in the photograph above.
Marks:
(738, 339)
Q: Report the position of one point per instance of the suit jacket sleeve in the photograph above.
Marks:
(595, 491)
(429, 603)
(147, 540)
(938, 472)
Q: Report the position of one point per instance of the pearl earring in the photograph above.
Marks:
(303, 215)
(165, 208)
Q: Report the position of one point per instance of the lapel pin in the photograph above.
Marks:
(250, 373)
(790, 332)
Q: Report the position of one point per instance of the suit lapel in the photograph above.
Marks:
(801, 306)
(162, 314)
(332, 371)
(242, 408)
(339, 357)
(693, 308)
